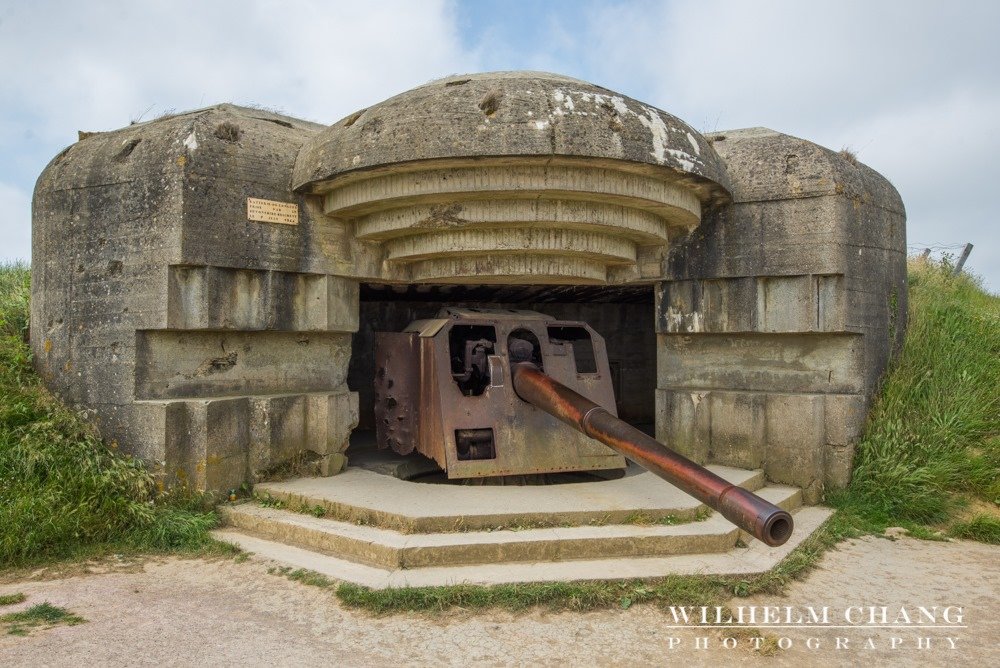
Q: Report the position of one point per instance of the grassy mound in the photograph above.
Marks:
(932, 443)
(62, 492)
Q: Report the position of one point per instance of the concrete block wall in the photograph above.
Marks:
(780, 312)
(213, 347)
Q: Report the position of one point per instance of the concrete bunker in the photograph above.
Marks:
(209, 284)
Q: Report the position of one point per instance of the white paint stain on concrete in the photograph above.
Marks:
(674, 319)
(660, 133)
(191, 143)
(684, 159)
(695, 323)
(659, 130)
(682, 321)
(694, 143)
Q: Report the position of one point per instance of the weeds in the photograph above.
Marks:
(307, 577)
(42, 615)
(984, 528)
(268, 501)
(12, 599)
(849, 154)
(933, 436)
(63, 492)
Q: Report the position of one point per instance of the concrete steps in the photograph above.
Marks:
(755, 558)
(389, 548)
(380, 531)
(359, 496)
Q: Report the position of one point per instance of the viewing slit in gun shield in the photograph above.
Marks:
(761, 519)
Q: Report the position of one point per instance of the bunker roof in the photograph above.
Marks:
(512, 115)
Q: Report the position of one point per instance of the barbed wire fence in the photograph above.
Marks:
(951, 254)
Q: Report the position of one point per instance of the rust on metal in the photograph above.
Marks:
(442, 388)
(397, 390)
(762, 519)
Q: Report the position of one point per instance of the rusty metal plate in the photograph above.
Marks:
(527, 440)
(397, 388)
(269, 211)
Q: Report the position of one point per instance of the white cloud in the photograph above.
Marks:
(912, 85)
(72, 66)
(94, 65)
(784, 62)
(942, 161)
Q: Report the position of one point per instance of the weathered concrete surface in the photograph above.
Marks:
(216, 347)
(385, 501)
(781, 312)
(710, 554)
(390, 549)
(521, 114)
(210, 345)
(514, 177)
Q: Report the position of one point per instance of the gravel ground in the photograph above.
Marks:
(176, 612)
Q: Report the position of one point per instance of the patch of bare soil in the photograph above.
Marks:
(181, 612)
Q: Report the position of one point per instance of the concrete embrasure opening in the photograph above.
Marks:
(623, 315)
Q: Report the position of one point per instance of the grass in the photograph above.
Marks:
(63, 493)
(12, 599)
(984, 528)
(41, 615)
(304, 576)
(932, 442)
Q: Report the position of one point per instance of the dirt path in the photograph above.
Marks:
(220, 613)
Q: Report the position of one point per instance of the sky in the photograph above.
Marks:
(912, 87)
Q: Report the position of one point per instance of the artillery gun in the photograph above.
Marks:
(489, 393)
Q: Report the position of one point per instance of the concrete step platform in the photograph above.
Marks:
(388, 548)
(755, 558)
(359, 496)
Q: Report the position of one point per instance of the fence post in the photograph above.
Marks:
(962, 259)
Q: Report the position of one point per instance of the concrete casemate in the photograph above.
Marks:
(197, 279)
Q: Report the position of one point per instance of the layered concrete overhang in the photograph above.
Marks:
(514, 177)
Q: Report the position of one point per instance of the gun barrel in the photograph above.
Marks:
(761, 519)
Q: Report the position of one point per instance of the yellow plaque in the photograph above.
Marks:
(269, 211)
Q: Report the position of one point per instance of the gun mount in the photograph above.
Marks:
(490, 392)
